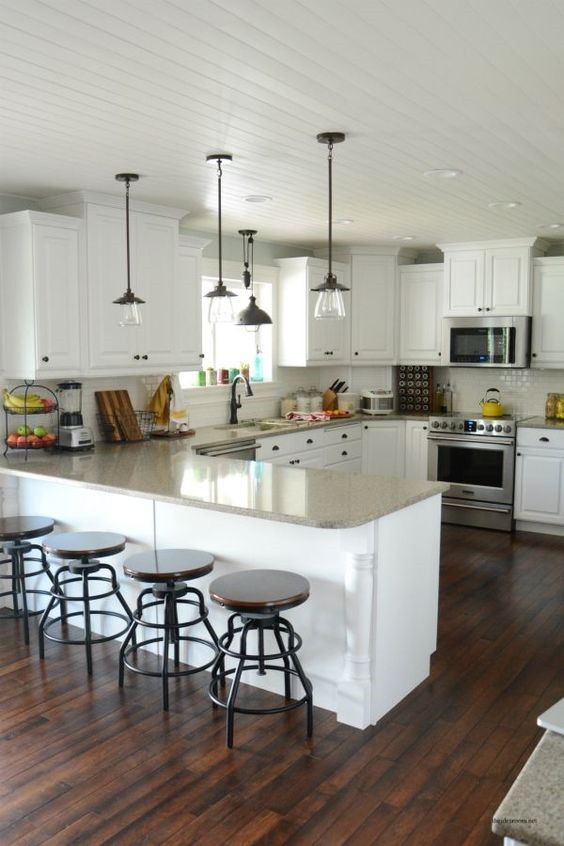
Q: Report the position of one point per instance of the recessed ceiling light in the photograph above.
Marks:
(443, 173)
(550, 225)
(504, 204)
(404, 237)
(343, 221)
(257, 198)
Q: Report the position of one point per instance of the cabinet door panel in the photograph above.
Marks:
(373, 309)
(539, 487)
(383, 446)
(464, 283)
(109, 343)
(416, 450)
(420, 315)
(188, 309)
(507, 281)
(56, 279)
(548, 316)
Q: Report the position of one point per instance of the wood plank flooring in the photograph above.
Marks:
(82, 762)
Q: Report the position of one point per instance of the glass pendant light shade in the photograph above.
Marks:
(251, 317)
(330, 304)
(221, 308)
(130, 314)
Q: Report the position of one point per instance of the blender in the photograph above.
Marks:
(73, 434)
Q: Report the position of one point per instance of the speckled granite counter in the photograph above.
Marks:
(533, 810)
(540, 423)
(170, 472)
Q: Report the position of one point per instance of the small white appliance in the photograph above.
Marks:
(73, 434)
(376, 401)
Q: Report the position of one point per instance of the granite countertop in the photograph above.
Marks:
(533, 810)
(541, 423)
(171, 472)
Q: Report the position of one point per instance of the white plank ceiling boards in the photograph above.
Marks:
(89, 89)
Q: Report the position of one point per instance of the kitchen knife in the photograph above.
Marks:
(332, 387)
(339, 386)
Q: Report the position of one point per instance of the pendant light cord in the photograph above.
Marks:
(127, 235)
(219, 175)
(330, 163)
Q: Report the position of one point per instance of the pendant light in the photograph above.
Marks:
(330, 302)
(221, 307)
(252, 317)
(130, 315)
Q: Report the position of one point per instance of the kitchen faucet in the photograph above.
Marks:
(236, 401)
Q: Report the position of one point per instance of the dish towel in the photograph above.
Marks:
(178, 409)
(160, 402)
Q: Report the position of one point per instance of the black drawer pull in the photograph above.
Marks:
(45, 358)
(136, 357)
(546, 440)
(144, 357)
(297, 461)
(309, 441)
(344, 452)
(275, 448)
(344, 435)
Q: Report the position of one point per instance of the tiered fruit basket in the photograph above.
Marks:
(32, 418)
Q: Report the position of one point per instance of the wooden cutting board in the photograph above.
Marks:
(118, 415)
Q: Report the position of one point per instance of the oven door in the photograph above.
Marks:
(477, 469)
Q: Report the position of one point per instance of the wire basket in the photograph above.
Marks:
(127, 426)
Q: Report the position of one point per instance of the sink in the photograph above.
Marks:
(267, 423)
(244, 424)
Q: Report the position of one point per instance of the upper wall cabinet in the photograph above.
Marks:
(421, 288)
(547, 347)
(303, 340)
(40, 274)
(489, 278)
(374, 309)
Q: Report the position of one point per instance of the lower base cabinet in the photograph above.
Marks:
(539, 476)
(383, 447)
(416, 449)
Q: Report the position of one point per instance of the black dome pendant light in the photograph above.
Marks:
(252, 317)
(330, 304)
(130, 314)
(221, 307)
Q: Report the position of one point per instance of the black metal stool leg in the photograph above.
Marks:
(15, 581)
(166, 634)
(87, 623)
(50, 605)
(21, 575)
(130, 634)
(286, 660)
(235, 686)
(303, 678)
(174, 631)
(260, 635)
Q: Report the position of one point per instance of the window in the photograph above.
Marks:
(228, 346)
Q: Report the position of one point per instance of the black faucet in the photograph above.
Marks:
(236, 401)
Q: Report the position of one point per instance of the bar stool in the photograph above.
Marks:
(257, 597)
(15, 534)
(168, 570)
(83, 549)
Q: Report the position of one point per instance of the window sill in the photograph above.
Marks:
(214, 393)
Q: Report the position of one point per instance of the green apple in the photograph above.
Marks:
(24, 430)
(40, 431)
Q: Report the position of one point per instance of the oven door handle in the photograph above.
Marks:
(451, 504)
(449, 439)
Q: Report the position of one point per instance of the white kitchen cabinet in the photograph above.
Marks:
(40, 277)
(383, 448)
(539, 476)
(373, 309)
(547, 348)
(303, 340)
(489, 278)
(421, 289)
(416, 449)
(308, 458)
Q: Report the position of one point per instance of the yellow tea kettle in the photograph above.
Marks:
(491, 406)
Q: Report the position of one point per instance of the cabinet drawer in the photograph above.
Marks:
(341, 434)
(280, 445)
(343, 452)
(309, 458)
(540, 438)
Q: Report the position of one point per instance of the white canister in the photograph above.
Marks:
(348, 402)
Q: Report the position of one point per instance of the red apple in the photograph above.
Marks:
(21, 442)
(12, 439)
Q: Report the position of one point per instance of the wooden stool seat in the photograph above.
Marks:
(84, 544)
(24, 528)
(169, 565)
(260, 591)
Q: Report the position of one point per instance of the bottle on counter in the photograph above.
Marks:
(447, 398)
(233, 371)
(201, 378)
(211, 376)
(257, 374)
(439, 399)
(223, 376)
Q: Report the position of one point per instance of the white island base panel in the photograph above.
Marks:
(370, 624)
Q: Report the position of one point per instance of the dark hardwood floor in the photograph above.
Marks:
(83, 763)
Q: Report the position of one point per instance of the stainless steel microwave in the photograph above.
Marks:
(487, 341)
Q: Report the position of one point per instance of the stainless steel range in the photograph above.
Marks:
(476, 456)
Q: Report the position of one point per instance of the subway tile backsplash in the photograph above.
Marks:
(523, 392)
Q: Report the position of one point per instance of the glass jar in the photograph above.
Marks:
(560, 407)
(550, 405)
(288, 404)
(211, 376)
(315, 399)
(303, 400)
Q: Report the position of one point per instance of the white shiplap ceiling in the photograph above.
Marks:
(88, 89)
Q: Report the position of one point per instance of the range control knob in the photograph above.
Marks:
(499, 428)
(480, 427)
(489, 428)
(435, 424)
(461, 425)
(453, 425)
(507, 429)
(444, 424)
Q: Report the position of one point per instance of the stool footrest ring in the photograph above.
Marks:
(131, 650)
(94, 639)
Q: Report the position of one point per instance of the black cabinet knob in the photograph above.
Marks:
(366, 427)
(356, 353)
(45, 358)
(201, 355)
(424, 427)
(519, 454)
(144, 357)
(439, 354)
(136, 357)
(534, 355)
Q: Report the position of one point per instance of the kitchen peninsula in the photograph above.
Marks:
(369, 546)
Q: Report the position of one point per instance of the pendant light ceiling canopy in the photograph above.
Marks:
(330, 303)
(130, 314)
(221, 307)
(252, 317)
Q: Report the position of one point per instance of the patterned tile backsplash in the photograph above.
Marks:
(522, 392)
